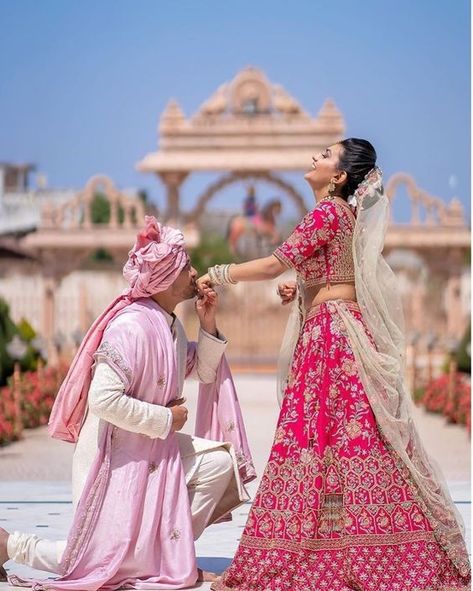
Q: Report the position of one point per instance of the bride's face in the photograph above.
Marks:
(324, 167)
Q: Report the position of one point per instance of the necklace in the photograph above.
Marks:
(329, 197)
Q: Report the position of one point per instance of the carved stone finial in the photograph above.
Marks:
(172, 117)
(455, 214)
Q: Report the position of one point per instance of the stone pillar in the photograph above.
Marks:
(418, 306)
(50, 285)
(173, 181)
(56, 265)
(453, 301)
(113, 200)
(84, 316)
(454, 312)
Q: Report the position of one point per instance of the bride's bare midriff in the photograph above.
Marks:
(321, 293)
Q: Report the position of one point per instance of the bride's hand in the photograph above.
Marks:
(204, 280)
(287, 292)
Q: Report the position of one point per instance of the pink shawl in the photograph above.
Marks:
(132, 527)
(219, 418)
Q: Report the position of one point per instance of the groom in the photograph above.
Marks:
(141, 492)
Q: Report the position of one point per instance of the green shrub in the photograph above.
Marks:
(26, 332)
(7, 332)
(100, 210)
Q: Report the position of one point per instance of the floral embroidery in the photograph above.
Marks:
(353, 429)
(152, 467)
(175, 535)
(320, 248)
(334, 509)
(85, 514)
(108, 351)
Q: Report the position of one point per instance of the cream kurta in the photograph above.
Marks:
(108, 402)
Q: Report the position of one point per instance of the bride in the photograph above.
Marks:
(349, 499)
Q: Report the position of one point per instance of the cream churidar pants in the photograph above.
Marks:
(211, 474)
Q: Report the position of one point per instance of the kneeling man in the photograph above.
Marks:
(142, 492)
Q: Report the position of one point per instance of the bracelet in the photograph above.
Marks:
(220, 275)
(227, 274)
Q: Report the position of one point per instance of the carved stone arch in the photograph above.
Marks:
(77, 212)
(235, 177)
(248, 125)
(97, 181)
(110, 193)
(435, 208)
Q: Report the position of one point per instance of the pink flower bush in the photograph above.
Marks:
(455, 406)
(37, 392)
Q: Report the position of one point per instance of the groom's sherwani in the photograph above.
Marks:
(142, 493)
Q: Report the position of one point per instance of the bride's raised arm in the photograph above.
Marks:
(256, 270)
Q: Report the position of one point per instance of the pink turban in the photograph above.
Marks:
(153, 265)
(156, 259)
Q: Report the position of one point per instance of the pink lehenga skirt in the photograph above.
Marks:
(333, 511)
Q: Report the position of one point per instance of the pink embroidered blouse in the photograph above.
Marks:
(320, 248)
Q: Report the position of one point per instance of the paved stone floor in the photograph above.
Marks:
(35, 487)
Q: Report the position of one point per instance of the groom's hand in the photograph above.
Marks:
(179, 416)
(206, 308)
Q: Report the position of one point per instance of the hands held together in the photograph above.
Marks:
(287, 291)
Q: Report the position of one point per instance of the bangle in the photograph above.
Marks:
(220, 275)
(230, 280)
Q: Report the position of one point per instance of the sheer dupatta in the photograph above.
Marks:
(382, 368)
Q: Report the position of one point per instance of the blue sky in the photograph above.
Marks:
(83, 83)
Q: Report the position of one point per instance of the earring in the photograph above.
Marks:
(331, 187)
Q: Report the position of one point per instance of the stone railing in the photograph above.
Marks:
(427, 210)
(77, 212)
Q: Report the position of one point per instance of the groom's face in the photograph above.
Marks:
(185, 286)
